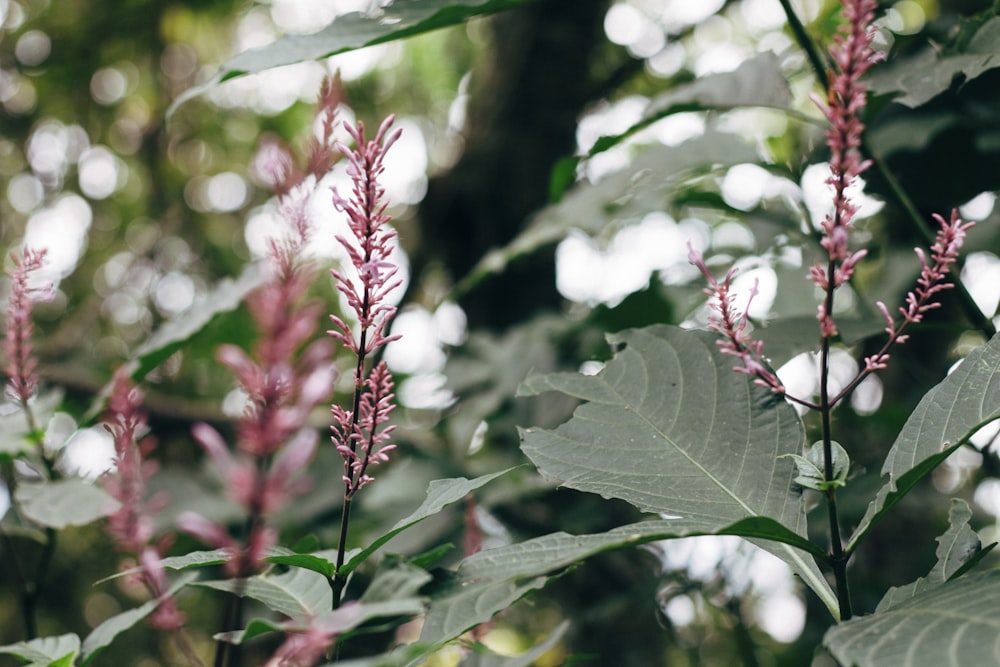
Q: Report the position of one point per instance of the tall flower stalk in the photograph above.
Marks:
(131, 526)
(282, 383)
(22, 380)
(360, 433)
(22, 383)
(852, 55)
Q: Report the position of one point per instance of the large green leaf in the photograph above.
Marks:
(952, 625)
(946, 417)
(624, 197)
(298, 592)
(65, 502)
(957, 548)
(354, 30)
(670, 427)
(58, 651)
(919, 79)
(488, 582)
(340, 621)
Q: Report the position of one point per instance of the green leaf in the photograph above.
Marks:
(395, 579)
(957, 548)
(185, 562)
(65, 502)
(354, 30)
(324, 563)
(298, 592)
(946, 417)
(812, 465)
(526, 659)
(340, 621)
(623, 197)
(58, 651)
(15, 439)
(440, 494)
(463, 605)
(670, 427)
(952, 625)
(105, 633)
(757, 82)
(923, 77)
(490, 581)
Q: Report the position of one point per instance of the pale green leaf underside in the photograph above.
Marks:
(298, 592)
(490, 581)
(669, 427)
(65, 502)
(925, 76)
(58, 651)
(354, 30)
(955, 548)
(947, 416)
(953, 625)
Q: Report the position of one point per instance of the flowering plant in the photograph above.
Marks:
(279, 531)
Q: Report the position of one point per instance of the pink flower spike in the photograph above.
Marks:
(732, 325)
(21, 364)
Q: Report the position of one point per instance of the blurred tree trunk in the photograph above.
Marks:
(526, 96)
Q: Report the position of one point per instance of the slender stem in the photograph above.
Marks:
(339, 581)
(806, 43)
(981, 321)
(838, 558)
(33, 589)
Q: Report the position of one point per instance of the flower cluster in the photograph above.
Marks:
(359, 433)
(21, 377)
(853, 54)
(932, 280)
(281, 384)
(131, 526)
(736, 340)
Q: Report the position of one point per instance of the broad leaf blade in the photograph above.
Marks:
(354, 30)
(341, 621)
(670, 427)
(65, 502)
(490, 581)
(298, 592)
(946, 417)
(957, 547)
(953, 625)
(921, 78)
(58, 651)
